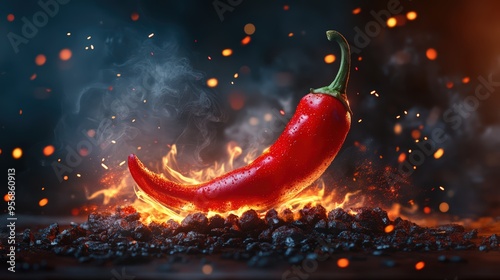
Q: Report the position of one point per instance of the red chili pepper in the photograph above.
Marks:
(304, 150)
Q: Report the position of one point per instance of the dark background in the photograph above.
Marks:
(275, 71)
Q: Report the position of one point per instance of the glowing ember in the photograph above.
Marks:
(398, 128)
(329, 58)
(236, 100)
(10, 17)
(212, 82)
(40, 59)
(389, 228)
(391, 22)
(17, 153)
(207, 269)
(419, 265)
(43, 202)
(356, 11)
(411, 15)
(439, 153)
(402, 157)
(65, 54)
(48, 150)
(134, 16)
(227, 52)
(246, 40)
(444, 207)
(431, 54)
(465, 80)
(415, 134)
(343, 263)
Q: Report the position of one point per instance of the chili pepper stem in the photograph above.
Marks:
(338, 87)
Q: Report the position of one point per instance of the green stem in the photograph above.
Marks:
(338, 87)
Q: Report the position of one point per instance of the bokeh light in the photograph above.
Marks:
(431, 54)
(48, 150)
(17, 153)
(65, 54)
(212, 82)
(43, 202)
(329, 58)
(40, 59)
(249, 29)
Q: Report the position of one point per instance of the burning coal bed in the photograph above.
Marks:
(121, 238)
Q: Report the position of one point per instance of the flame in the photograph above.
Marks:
(152, 210)
(119, 188)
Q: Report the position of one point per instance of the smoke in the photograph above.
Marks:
(151, 100)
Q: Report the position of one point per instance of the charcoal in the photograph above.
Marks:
(233, 242)
(50, 232)
(471, 234)
(321, 226)
(250, 221)
(370, 220)
(252, 247)
(280, 235)
(337, 226)
(272, 219)
(172, 226)
(232, 223)
(192, 250)
(193, 238)
(382, 215)
(142, 233)
(28, 237)
(217, 231)
(311, 215)
(266, 235)
(197, 222)
(231, 220)
(306, 234)
(216, 222)
(123, 227)
(287, 216)
(491, 242)
(340, 215)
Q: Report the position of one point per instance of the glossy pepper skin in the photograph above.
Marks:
(304, 150)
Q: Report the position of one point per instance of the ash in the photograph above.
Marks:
(121, 238)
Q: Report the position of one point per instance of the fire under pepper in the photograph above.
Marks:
(304, 150)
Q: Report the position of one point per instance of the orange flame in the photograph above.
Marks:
(152, 210)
